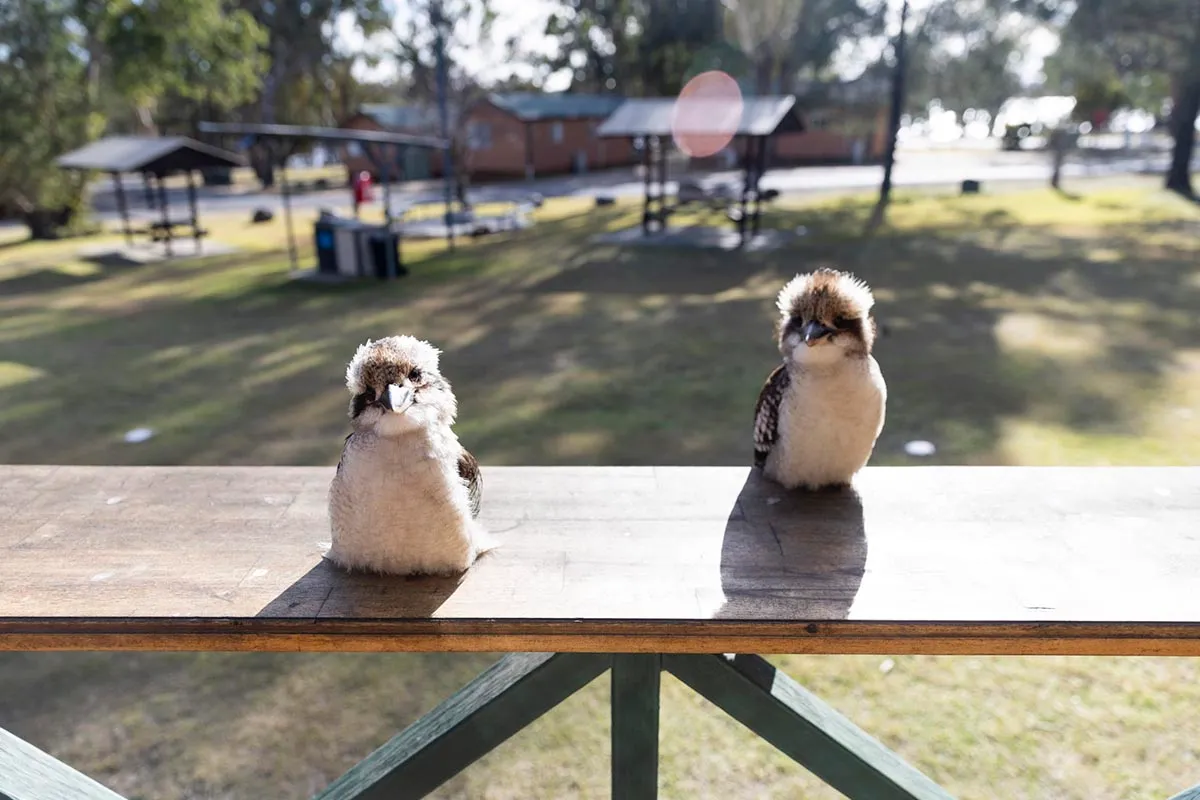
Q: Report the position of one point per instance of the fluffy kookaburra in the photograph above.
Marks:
(406, 494)
(821, 410)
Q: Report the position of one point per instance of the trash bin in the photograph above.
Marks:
(379, 242)
(324, 237)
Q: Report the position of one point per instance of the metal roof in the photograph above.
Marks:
(534, 106)
(157, 154)
(760, 116)
(408, 117)
(323, 134)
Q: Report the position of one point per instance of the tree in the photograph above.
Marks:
(46, 112)
(962, 56)
(596, 41)
(675, 36)
(823, 27)
(465, 24)
(765, 30)
(1143, 44)
(899, 71)
(65, 63)
(299, 45)
(635, 47)
(203, 51)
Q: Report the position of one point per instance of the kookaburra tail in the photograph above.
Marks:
(406, 494)
(822, 409)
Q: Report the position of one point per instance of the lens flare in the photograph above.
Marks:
(707, 114)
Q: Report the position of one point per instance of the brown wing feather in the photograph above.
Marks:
(342, 457)
(766, 414)
(468, 470)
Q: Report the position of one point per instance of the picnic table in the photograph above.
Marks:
(696, 571)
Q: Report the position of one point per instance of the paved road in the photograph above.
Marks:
(915, 167)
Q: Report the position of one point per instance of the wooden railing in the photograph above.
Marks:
(633, 570)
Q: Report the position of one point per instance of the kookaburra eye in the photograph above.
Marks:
(414, 375)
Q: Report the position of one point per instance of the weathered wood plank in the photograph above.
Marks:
(27, 773)
(804, 727)
(635, 699)
(939, 560)
(504, 699)
(1188, 794)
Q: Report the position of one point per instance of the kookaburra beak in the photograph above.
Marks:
(813, 331)
(396, 398)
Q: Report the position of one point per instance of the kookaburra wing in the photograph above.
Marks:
(468, 470)
(766, 414)
(406, 493)
(821, 410)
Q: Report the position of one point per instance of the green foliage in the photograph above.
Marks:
(633, 47)
(46, 110)
(1151, 48)
(198, 50)
(962, 54)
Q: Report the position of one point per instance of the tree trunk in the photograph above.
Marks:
(46, 223)
(264, 167)
(1183, 128)
(787, 75)
(1183, 117)
(885, 188)
(763, 68)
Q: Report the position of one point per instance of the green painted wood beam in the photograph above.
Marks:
(804, 727)
(1188, 794)
(27, 773)
(635, 686)
(501, 701)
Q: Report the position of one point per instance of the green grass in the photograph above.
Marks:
(1019, 328)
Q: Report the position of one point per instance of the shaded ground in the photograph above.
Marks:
(1018, 329)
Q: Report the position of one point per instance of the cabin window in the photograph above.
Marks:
(479, 136)
(556, 133)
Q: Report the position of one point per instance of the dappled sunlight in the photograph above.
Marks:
(565, 353)
(13, 373)
(1055, 338)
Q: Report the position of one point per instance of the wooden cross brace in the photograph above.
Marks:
(522, 687)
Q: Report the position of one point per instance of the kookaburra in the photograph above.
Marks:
(821, 410)
(406, 494)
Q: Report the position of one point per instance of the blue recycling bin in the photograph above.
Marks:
(325, 241)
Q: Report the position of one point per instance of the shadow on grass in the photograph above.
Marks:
(565, 353)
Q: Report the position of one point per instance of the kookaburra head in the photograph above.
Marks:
(397, 388)
(824, 316)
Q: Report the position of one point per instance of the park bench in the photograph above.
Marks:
(628, 570)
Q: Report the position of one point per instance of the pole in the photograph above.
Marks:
(885, 189)
(758, 176)
(287, 204)
(389, 254)
(166, 217)
(747, 166)
(123, 207)
(647, 164)
(437, 17)
(191, 187)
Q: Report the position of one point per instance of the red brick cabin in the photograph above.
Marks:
(509, 136)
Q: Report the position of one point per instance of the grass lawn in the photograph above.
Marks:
(1019, 328)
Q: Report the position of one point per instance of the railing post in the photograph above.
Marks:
(635, 699)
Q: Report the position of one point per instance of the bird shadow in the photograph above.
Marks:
(792, 555)
(329, 592)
